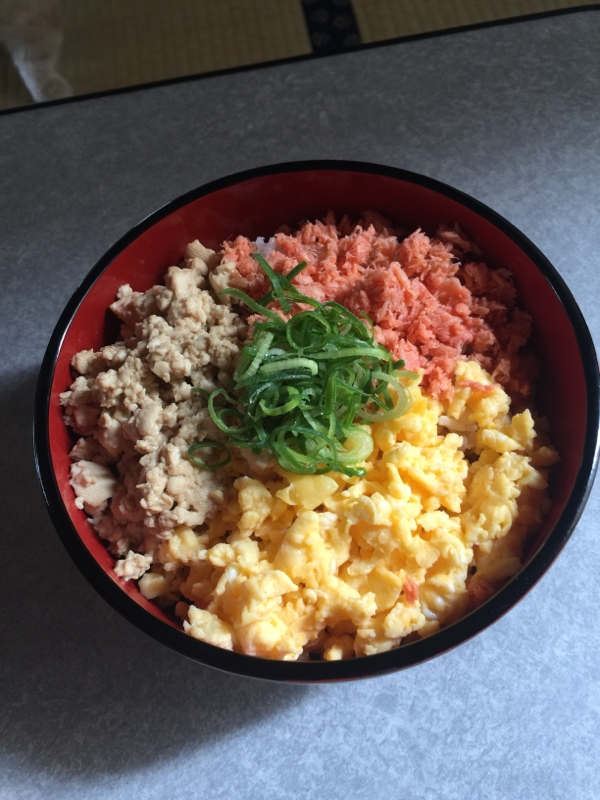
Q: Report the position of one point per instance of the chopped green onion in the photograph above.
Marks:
(258, 309)
(400, 407)
(290, 363)
(303, 388)
(361, 446)
(198, 445)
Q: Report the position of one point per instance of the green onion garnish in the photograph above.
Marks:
(198, 445)
(303, 388)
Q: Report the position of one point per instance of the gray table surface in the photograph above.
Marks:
(93, 708)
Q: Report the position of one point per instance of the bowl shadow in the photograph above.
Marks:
(83, 691)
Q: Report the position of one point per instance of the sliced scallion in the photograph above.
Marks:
(303, 388)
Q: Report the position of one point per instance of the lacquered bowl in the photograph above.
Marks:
(256, 203)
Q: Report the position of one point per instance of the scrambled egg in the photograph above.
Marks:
(344, 566)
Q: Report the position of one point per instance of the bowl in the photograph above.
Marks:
(255, 203)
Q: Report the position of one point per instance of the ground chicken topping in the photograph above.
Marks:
(262, 561)
(133, 404)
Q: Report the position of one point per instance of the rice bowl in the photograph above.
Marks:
(195, 217)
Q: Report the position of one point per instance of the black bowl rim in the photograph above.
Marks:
(319, 671)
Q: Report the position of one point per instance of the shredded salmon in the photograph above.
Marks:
(475, 386)
(432, 300)
(411, 591)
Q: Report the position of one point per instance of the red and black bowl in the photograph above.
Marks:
(256, 203)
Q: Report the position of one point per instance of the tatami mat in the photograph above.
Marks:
(388, 19)
(110, 44)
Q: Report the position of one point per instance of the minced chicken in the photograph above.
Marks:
(134, 408)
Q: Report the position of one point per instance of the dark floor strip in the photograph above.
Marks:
(331, 24)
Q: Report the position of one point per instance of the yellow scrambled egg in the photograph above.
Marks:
(346, 566)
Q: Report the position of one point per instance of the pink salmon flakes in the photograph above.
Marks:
(432, 299)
